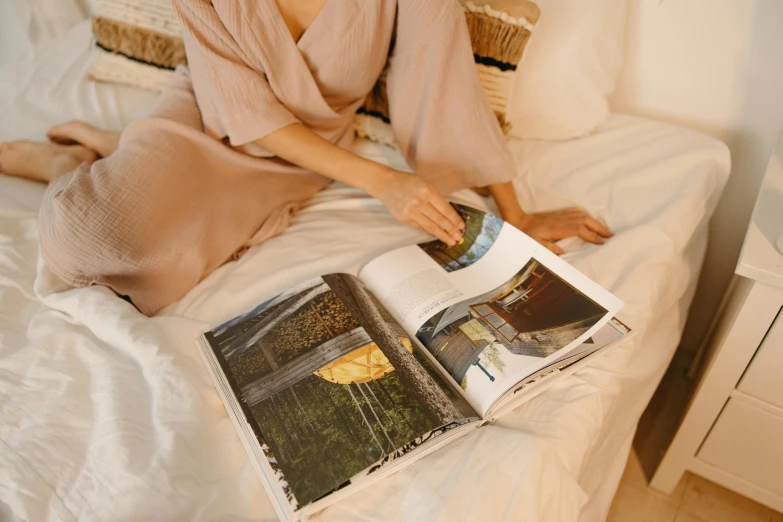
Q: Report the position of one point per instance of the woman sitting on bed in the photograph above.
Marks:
(259, 122)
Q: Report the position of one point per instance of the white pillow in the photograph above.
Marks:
(569, 70)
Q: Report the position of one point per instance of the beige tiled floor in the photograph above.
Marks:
(693, 500)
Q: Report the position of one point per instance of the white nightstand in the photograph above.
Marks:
(732, 431)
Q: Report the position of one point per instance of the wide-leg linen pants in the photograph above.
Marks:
(167, 208)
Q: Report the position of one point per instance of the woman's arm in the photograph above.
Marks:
(410, 199)
(261, 118)
(414, 201)
(444, 124)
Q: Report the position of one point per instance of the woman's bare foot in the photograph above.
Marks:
(101, 141)
(42, 161)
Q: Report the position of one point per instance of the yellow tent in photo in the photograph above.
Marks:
(361, 365)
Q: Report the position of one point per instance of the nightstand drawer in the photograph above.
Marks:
(747, 441)
(763, 379)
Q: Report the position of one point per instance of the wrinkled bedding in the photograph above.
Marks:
(109, 415)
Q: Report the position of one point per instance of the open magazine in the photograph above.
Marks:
(342, 380)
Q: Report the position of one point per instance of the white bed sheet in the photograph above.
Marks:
(108, 415)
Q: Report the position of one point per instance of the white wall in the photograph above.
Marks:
(715, 66)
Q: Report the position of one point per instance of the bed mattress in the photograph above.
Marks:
(109, 415)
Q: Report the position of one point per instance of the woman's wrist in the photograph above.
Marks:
(376, 178)
(506, 199)
(510, 210)
(513, 215)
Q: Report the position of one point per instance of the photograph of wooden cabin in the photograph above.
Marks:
(481, 232)
(332, 384)
(534, 314)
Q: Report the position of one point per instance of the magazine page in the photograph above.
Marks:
(608, 336)
(332, 387)
(491, 310)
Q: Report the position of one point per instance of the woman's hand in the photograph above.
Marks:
(548, 227)
(409, 198)
(415, 202)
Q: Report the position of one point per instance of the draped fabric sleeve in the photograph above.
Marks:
(232, 82)
(438, 109)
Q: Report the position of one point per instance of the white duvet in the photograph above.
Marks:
(109, 415)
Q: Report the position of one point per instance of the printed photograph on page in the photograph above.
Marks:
(485, 343)
(481, 232)
(332, 385)
(609, 333)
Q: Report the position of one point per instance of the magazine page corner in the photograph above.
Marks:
(609, 336)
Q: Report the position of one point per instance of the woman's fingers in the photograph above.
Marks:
(415, 225)
(590, 236)
(442, 221)
(598, 227)
(445, 209)
(432, 228)
(553, 247)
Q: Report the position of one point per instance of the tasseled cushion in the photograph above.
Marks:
(137, 42)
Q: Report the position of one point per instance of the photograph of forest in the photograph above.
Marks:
(481, 232)
(534, 314)
(332, 384)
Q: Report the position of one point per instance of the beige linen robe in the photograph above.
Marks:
(187, 189)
